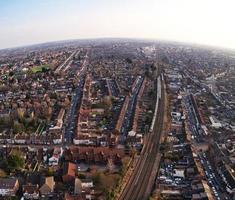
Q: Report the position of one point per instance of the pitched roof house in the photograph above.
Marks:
(8, 186)
(48, 186)
(69, 172)
(31, 191)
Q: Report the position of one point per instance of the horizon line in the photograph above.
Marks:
(122, 38)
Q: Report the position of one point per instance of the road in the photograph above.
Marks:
(142, 179)
(129, 115)
(213, 180)
(65, 65)
(73, 112)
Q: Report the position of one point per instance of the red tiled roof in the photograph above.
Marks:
(69, 169)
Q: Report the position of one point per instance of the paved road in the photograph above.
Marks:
(129, 115)
(65, 64)
(140, 183)
(213, 180)
(72, 116)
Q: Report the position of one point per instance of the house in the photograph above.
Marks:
(99, 155)
(67, 196)
(176, 116)
(179, 173)
(134, 139)
(83, 187)
(31, 191)
(86, 183)
(82, 140)
(69, 172)
(54, 160)
(8, 186)
(171, 194)
(58, 125)
(48, 186)
(77, 186)
(57, 139)
(214, 122)
(20, 139)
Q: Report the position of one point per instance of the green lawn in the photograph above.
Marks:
(40, 68)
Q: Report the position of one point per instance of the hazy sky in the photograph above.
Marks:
(209, 22)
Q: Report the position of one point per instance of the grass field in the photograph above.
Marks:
(40, 68)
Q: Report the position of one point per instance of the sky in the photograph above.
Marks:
(208, 22)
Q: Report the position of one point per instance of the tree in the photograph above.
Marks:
(109, 195)
(12, 163)
(81, 176)
(15, 162)
(2, 173)
(18, 127)
(53, 95)
(11, 73)
(96, 178)
(50, 171)
(10, 198)
(128, 60)
(151, 93)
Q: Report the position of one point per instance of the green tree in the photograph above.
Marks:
(96, 178)
(50, 171)
(81, 176)
(109, 195)
(18, 127)
(12, 163)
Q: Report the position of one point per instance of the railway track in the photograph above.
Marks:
(141, 182)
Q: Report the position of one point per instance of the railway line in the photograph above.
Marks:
(140, 183)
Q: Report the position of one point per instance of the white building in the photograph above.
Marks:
(87, 183)
(179, 173)
(215, 123)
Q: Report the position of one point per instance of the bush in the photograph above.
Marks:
(96, 178)
(81, 176)
(12, 163)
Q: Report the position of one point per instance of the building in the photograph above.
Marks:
(86, 183)
(31, 191)
(8, 186)
(69, 172)
(215, 123)
(47, 187)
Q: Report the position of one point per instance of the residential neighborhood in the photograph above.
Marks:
(116, 119)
